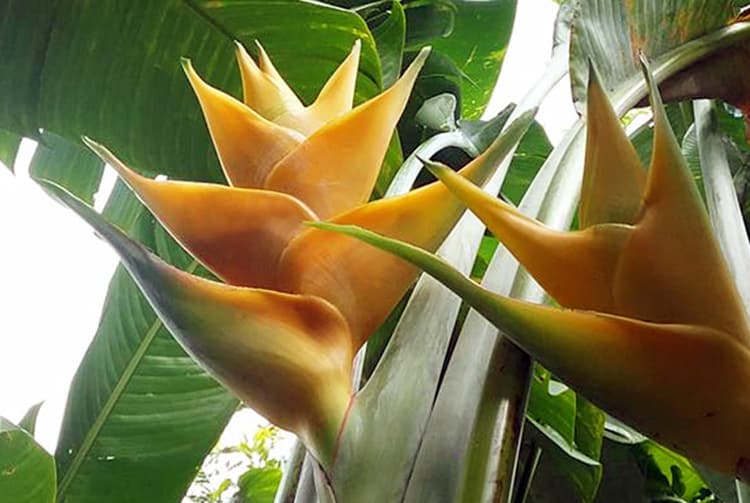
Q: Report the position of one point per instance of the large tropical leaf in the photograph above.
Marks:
(611, 33)
(573, 426)
(111, 69)
(27, 471)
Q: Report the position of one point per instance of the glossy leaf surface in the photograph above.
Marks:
(27, 471)
(613, 33)
(126, 82)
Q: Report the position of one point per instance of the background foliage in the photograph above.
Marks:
(141, 416)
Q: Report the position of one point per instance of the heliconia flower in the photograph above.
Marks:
(658, 335)
(298, 302)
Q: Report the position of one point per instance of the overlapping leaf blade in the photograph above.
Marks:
(27, 471)
(68, 164)
(612, 33)
(112, 69)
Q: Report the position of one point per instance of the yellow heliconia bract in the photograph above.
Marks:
(658, 335)
(298, 302)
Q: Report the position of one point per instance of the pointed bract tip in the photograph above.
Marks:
(653, 87)
(261, 50)
(434, 167)
(593, 74)
(100, 150)
(415, 66)
(187, 67)
(89, 142)
(241, 50)
(356, 48)
(424, 53)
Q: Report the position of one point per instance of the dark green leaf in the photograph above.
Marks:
(486, 250)
(9, 143)
(428, 20)
(389, 36)
(556, 411)
(123, 209)
(562, 445)
(477, 46)
(667, 473)
(588, 439)
(27, 472)
(732, 123)
(573, 436)
(111, 69)
(528, 159)
(68, 164)
(25, 31)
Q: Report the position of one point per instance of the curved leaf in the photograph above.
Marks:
(128, 88)
(612, 33)
(476, 44)
(27, 472)
(67, 163)
(9, 143)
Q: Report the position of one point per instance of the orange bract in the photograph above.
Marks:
(299, 303)
(658, 335)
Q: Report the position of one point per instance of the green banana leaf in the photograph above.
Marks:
(111, 69)
(9, 143)
(611, 33)
(27, 471)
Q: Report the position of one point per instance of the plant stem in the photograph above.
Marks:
(290, 480)
(526, 477)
